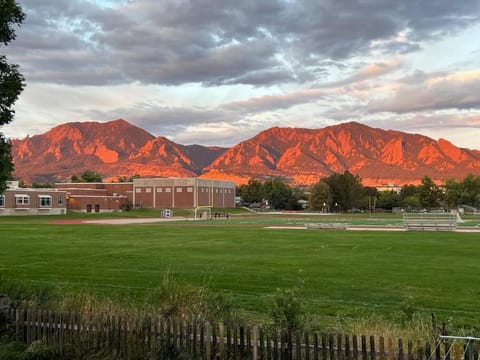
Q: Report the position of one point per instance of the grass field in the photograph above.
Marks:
(345, 273)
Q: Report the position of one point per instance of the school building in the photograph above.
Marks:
(157, 193)
(32, 201)
(183, 193)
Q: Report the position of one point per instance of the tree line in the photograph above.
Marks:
(345, 192)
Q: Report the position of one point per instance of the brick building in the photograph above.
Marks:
(183, 193)
(96, 197)
(29, 201)
(155, 193)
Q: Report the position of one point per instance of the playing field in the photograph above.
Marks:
(344, 272)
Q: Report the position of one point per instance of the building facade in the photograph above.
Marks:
(96, 197)
(183, 193)
(29, 201)
(156, 193)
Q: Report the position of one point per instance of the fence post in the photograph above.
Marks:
(298, 344)
(18, 316)
(315, 346)
(307, 345)
(331, 347)
(355, 346)
(208, 339)
(254, 343)
(400, 349)
(410, 350)
(221, 340)
(339, 347)
(364, 347)
(382, 348)
(373, 353)
(469, 353)
(275, 345)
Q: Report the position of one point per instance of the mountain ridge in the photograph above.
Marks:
(302, 156)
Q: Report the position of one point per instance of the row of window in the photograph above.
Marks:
(179, 190)
(22, 199)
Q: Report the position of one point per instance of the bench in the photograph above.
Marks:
(430, 221)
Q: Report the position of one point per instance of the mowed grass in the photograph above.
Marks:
(344, 273)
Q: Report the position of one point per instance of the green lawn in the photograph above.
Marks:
(345, 272)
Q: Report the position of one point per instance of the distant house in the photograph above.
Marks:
(28, 201)
(389, 187)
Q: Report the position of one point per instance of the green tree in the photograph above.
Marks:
(465, 192)
(252, 192)
(452, 193)
(347, 190)
(11, 83)
(87, 176)
(320, 196)
(388, 200)
(293, 202)
(129, 179)
(278, 193)
(429, 194)
(40, 185)
(470, 191)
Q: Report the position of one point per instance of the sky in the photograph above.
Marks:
(217, 72)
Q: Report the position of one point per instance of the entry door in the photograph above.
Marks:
(89, 207)
(97, 208)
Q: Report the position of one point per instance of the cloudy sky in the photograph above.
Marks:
(216, 72)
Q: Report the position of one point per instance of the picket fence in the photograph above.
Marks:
(141, 337)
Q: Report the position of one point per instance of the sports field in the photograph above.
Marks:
(347, 273)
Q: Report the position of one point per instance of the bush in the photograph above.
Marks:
(288, 310)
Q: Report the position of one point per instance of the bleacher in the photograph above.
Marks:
(430, 221)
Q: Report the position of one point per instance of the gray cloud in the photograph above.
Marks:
(163, 120)
(218, 41)
(433, 92)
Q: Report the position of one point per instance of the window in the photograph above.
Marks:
(189, 189)
(159, 189)
(45, 200)
(60, 200)
(168, 189)
(179, 189)
(138, 190)
(22, 199)
(2, 200)
(148, 190)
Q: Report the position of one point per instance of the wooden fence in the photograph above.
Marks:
(141, 337)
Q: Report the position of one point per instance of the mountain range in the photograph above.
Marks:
(301, 156)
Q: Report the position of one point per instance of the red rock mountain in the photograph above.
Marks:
(302, 156)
